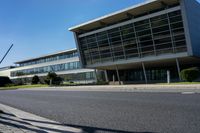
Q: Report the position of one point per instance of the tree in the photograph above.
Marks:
(53, 79)
(35, 80)
(4, 81)
(190, 74)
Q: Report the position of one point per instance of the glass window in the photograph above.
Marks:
(134, 39)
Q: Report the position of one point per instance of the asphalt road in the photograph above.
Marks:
(121, 112)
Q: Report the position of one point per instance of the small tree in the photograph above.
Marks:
(58, 81)
(35, 80)
(53, 79)
(190, 74)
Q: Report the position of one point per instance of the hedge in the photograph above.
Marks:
(4, 81)
(190, 74)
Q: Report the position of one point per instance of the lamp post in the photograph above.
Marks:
(6, 54)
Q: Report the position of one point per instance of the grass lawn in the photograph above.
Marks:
(23, 86)
(179, 83)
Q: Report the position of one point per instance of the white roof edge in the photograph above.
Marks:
(111, 14)
(59, 52)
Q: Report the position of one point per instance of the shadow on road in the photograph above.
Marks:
(14, 122)
(7, 119)
(89, 129)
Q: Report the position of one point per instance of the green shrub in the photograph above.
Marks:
(190, 74)
(35, 80)
(4, 81)
(102, 83)
(57, 81)
(53, 79)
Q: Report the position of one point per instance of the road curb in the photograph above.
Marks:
(124, 88)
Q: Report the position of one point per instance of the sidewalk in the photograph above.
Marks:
(12, 124)
(126, 88)
(22, 122)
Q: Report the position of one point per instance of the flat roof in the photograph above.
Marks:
(6, 68)
(47, 55)
(134, 10)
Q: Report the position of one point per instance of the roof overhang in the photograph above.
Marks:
(120, 15)
(45, 56)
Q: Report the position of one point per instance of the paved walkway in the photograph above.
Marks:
(22, 122)
(127, 88)
(12, 124)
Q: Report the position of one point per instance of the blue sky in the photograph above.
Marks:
(38, 27)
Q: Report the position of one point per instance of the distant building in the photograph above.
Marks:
(65, 64)
(141, 43)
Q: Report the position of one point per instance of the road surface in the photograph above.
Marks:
(123, 112)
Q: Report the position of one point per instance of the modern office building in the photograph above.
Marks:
(141, 43)
(65, 64)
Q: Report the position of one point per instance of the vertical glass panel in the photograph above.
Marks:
(146, 45)
(104, 46)
(142, 25)
(143, 38)
(116, 43)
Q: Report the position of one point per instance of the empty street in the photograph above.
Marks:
(135, 112)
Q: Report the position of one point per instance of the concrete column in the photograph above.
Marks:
(95, 72)
(118, 75)
(144, 71)
(106, 75)
(113, 77)
(178, 68)
(82, 61)
(168, 76)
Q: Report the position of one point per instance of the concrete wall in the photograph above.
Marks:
(5, 72)
(191, 16)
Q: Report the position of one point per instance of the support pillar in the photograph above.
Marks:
(168, 76)
(95, 72)
(178, 68)
(106, 75)
(113, 78)
(144, 71)
(118, 75)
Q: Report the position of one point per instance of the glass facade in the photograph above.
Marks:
(150, 37)
(158, 74)
(84, 78)
(51, 58)
(152, 74)
(79, 76)
(46, 69)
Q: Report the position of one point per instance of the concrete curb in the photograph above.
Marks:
(37, 122)
(125, 88)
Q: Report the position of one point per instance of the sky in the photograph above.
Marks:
(39, 27)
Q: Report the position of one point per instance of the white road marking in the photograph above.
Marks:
(188, 93)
